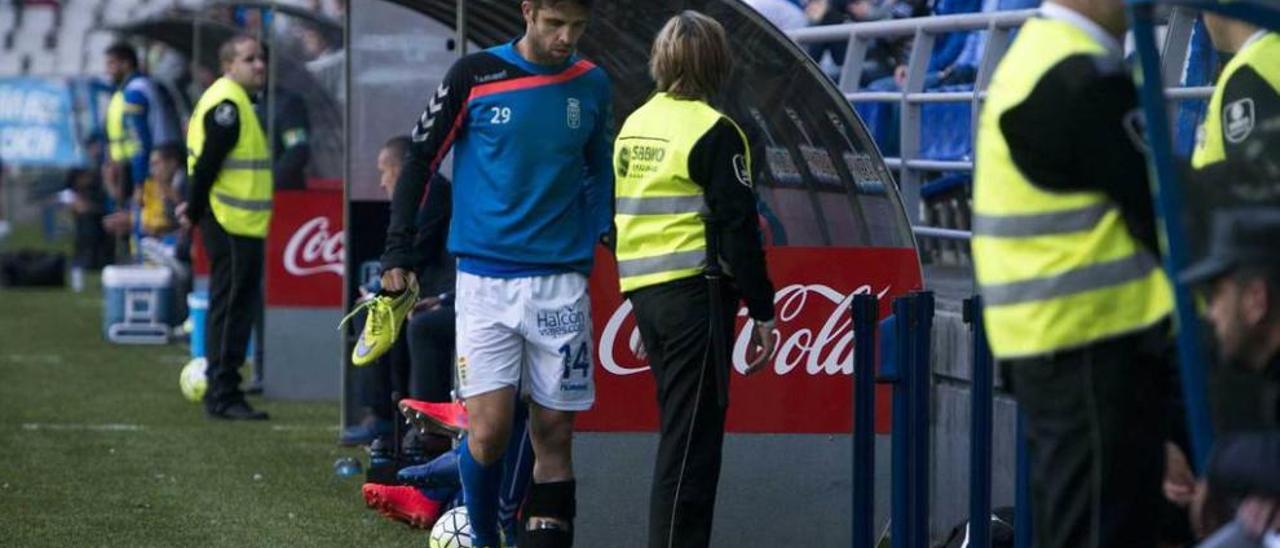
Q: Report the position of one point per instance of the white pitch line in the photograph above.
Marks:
(33, 358)
(110, 427)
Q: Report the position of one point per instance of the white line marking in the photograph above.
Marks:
(110, 427)
(34, 358)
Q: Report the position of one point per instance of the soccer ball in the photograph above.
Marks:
(192, 380)
(452, 530)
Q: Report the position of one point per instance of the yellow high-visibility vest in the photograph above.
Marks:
(1057, 270)
(1263, 56)
(658, 209)
(241, 196)
(122, 144)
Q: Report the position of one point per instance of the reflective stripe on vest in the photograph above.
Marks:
(1263, 56)
(241, 196)
(251, 205)
(1057, 270)
(661, 234)
(122, 144)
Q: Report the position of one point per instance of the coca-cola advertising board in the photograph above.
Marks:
(807, 385)
(305, 250)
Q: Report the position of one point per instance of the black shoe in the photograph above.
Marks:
(238, 411)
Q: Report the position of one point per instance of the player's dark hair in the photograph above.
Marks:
(586, 4)
(123, 51)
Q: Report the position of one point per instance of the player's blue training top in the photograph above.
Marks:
(533, 180)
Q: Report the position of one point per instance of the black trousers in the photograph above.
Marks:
(674, 322)
(431, 342)
(1096, 424)
(235, 290)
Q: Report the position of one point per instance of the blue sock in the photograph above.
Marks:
(439, 494)
(480, 486)
(517, 472)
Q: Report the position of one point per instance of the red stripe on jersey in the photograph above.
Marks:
(444, 148)
(516, 84)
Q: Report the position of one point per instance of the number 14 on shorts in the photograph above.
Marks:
(576, 361)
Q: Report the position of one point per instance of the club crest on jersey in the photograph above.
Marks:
(1237, 120)
(573, 113)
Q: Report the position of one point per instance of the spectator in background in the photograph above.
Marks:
(380, 382)
(784, 14)
(140, 117)
(324, 60)
(290, 125)
(883, 54)
(93, 248)
(955, 56)
(159, 195)
(1241, 279)
(828, 12)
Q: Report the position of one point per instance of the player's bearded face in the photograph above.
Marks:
(554, 29)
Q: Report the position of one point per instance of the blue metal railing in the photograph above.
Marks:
(981, 399)
(866, 312)
(909, 371)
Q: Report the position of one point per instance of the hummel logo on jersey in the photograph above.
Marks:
(491, 77)
(428, 118)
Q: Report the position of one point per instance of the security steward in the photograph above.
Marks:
(1065, 255)
(1245, 99)
(1246, 94)
(230, 200)
(687, 245)
(140, 118)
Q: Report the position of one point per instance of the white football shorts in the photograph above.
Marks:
(534, 329)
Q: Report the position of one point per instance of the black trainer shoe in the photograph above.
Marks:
(238, 411)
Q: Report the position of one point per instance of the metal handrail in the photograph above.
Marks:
(935, 24)
(913, 95)
(944, 233)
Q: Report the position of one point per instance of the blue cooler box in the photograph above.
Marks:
(198, 308)
(137, 304)
(198, 305)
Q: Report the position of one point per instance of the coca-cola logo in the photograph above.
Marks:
(815, 333)
(313, 250)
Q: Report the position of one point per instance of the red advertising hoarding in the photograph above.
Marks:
(304, 250)
(807, 386)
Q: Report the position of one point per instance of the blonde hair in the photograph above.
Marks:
(691, 57)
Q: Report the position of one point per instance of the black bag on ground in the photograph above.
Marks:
(32, 268)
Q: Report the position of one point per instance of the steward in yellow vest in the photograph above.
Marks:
(140, 115)
(680, 168)
(1245, 98)
(228, 145)
(229, 198)
(1066, 260)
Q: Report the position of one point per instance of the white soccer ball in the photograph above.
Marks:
(192, 380)
(452, 530)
